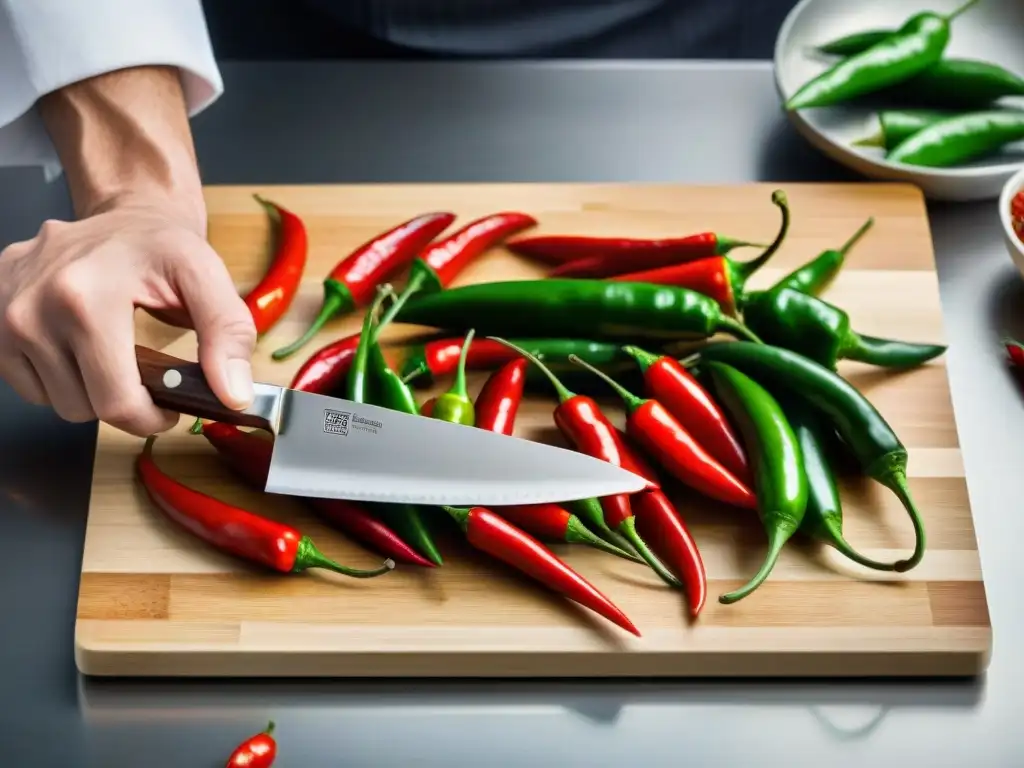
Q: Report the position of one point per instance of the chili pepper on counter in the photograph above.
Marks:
(352, 282)
(270, 298)
(498, 401)
(235, 530)
(650, 424)
(248, 455)
(389, 389)
(425, 362)
(455, 405)
(779, 475)
(679, 393)
(588, 430)
(814, 276)
(960, 138)
(897, 125)
(591, 513)
(359, 382)
(823, 519)
(439, 265)
(917, 45)
(719, 277)
(551, 521)
(583, 256)
(257, 751)
(660, 524)
(326, 370)
(865, 432)
(821, 331)
(574, 308)
(490, 533)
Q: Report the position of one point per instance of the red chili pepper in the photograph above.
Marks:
(579, 256)
(443, 261)
(326, 370)
(257, 751)
(666, 381)
(235, 530)
(1017, 214)
(589, 431)
(271, 297)
(553, 522)
(498, 402)
(249, 455)
(654, 428)
(1015, 350)
(427, 409)
(441, 356)
(664, 530)
(490, 533)
(353, 281)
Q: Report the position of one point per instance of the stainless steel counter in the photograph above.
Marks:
(696, 123)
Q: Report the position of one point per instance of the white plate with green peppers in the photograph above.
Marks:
(929, 92)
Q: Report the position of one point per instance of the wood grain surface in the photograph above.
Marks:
(155, 601)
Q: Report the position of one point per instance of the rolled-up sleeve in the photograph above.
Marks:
(47, 44)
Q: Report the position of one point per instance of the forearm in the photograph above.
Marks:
(125, 135)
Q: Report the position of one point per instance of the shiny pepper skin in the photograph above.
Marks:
(259, 751)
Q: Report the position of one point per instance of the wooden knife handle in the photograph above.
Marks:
(178, 385)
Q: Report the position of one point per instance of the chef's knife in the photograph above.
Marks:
(326, 447)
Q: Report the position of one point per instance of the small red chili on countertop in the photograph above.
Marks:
(235, 530)
(270, 298)
(326, 370)
(490, 533)
(353, 281)
(662, 436)
(497, 404)
(257, 751)
(556, 523)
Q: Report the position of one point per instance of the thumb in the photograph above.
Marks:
(224, 327)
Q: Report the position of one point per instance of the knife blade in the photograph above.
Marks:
(327, 447)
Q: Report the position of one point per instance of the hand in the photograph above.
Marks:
(67, 303)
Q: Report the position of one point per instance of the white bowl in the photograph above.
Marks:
(992, 30)
(1014, 245)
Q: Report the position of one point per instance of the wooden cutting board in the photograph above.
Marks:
(155, 601)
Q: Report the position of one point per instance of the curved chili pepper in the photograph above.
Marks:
(498, 401)
(425, 362)
(589, 431)
(823, 519)
(960, 138)
(582, 256)
(814, 276)
(271, 297)
(897, 125)
(490, 533)
(660, 524)
(352, 282)
(257, 751)
(455, 405)
(235, 530)
(248, 455)
(440, 264)
(551, 521)
(581, 308)
(721, 278)
(666, 381)
(359, 382)
(865, 432)
(821, 331)
(326, 370)
(662, 436)
(914, 47)
(779, 474)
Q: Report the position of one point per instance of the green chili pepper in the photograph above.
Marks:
(586, 308)
(814, 276)
(869, 437)
(823, 520)
(913, 48)
(855, 42)
(455, 405)
(960, 138)
(780, 481)
(389, 389)
(896, 126)
(592, 515)
(821, 331)
(359, 381)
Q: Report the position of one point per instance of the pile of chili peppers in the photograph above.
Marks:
(757, 423)
(1017, 215)
(951, 110)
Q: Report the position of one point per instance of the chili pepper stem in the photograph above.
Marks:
(631, 401)
(887, 352)
(725, 244)
(841, 545)
(896, 481)
(776, 542)
(962, 9)
(594, 514)
(738, 329)
(272, 212)
(308, 556)
(643, 358)
(417, 278)
(628, 530)
(742, 270)
(337, 300)
(577, 533)
(459, 385)
(269, 729)
(561, 390)
(876, 139)
(197, 427)
(856, 236)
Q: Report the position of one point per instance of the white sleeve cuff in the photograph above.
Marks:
(47, 44)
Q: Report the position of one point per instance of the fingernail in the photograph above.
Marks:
(240, 382)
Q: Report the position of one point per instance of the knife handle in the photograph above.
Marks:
(178, 385)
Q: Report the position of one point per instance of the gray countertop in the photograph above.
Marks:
(375, 122)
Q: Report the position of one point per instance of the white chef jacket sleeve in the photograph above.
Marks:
(47, 44)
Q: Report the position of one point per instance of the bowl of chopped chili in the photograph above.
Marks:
(929, 92)
(1011, 213)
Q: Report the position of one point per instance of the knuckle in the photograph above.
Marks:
(19, 317)
(130, 414)
(69, 290)
(49, 228)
